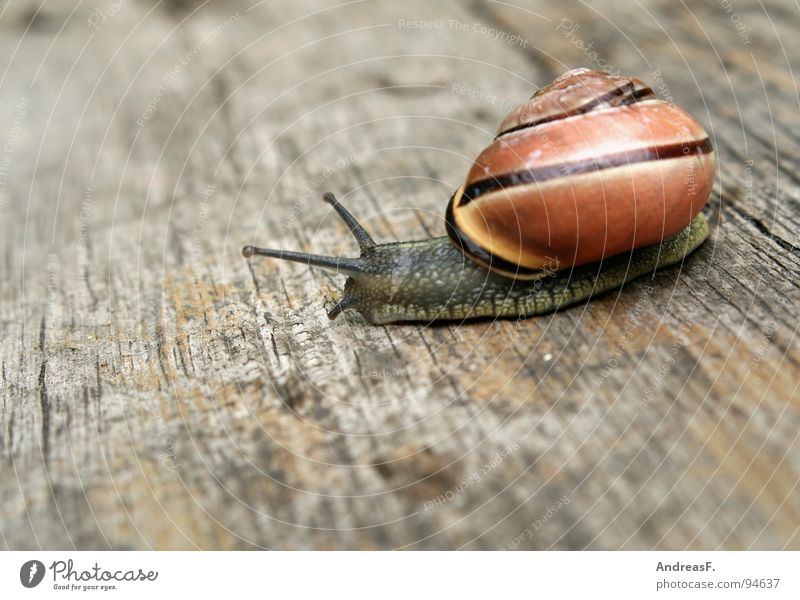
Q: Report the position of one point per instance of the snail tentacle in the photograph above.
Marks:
(363, 238)
(348, 266)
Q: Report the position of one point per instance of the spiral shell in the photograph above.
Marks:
(590, 167)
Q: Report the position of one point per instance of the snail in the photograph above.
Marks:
(591, 183)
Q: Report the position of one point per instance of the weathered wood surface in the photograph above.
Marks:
(158, 392)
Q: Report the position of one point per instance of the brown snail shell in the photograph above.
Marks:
(591, 166)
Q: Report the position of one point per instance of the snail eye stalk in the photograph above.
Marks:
(363, 238)
(348, 266)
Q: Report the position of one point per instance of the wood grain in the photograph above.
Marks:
(161, 392)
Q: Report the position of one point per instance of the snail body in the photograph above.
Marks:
(591, 183)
